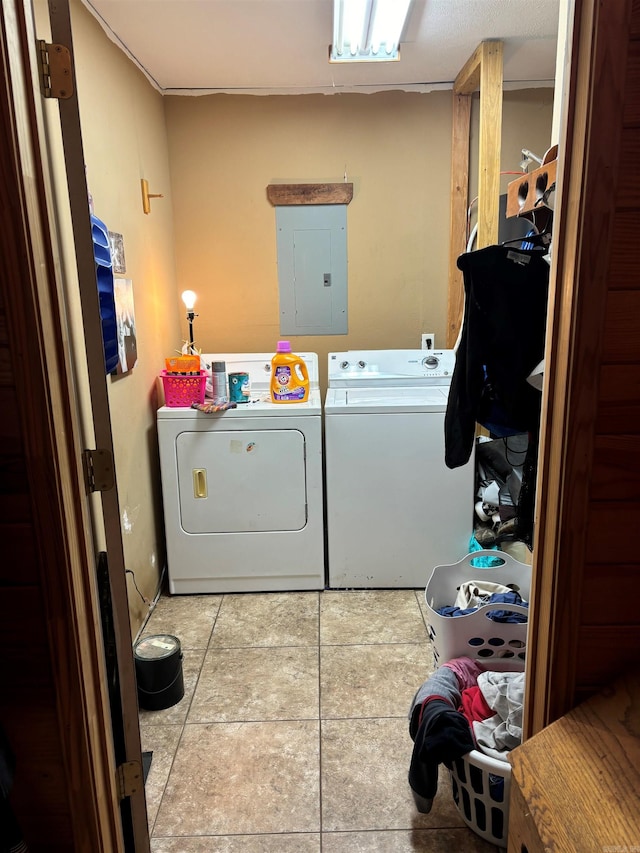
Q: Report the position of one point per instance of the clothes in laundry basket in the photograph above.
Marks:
(447, 683)
(440, 733)
(474, 594)
(442, 737)
(493, 709)
(461, 707)
(504, 694)
(474, 705)
(466, 670)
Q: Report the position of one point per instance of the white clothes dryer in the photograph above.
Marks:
(242, 489)
(394, 510)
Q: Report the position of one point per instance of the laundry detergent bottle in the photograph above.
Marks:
(289, 376)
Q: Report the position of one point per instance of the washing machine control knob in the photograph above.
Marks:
(430, 361)
(362, 364)
(344, 365)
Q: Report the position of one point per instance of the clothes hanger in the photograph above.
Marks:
(538, 240)
(541, 238)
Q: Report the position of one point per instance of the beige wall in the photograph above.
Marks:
(395, 147)
(225, 227)
(124, 140)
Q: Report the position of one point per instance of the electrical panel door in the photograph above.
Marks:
(312, 269)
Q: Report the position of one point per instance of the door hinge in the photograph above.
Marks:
(129, 778)
(55, 70)
(98, 470)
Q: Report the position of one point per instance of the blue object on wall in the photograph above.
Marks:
(107, 302)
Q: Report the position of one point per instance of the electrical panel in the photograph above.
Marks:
(312, 269)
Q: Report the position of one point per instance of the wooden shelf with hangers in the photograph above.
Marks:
(526, 196)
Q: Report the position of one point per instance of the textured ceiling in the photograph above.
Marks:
(281, 46)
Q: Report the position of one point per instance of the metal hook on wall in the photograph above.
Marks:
(146, 196)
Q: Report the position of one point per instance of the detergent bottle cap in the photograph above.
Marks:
(283, 346)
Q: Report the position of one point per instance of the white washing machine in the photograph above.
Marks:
(242, 489)
(394, 510)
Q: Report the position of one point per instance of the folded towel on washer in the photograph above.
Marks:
(213, 408)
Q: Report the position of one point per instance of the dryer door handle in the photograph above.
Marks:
(200, 482)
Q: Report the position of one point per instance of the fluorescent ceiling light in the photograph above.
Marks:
(367, 30)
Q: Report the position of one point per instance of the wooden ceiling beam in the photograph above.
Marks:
(468, 80)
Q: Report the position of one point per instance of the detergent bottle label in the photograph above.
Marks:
(285, 385)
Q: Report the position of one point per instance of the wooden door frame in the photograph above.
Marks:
(39, 357)
(33, 294)
(583, 229)
(128, 745)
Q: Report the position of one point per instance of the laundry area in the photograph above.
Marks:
(343, 495)
(258, 474)
(243, 484)
(322, 304)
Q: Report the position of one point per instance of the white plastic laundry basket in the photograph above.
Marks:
(498, 645)
(481, 786)
(481, 793)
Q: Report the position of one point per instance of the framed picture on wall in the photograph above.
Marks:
(126, 326)
(116, 245)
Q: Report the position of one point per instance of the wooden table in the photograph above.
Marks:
(575, 786)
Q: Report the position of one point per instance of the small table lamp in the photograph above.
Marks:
(189, 299)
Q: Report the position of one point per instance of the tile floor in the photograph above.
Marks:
(292, 736)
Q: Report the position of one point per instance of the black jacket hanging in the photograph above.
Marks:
(502, 341)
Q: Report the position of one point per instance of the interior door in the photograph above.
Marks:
(82, 413)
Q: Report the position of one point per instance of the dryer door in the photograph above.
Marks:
(242, 481)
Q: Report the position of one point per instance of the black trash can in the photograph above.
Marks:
(158, 660)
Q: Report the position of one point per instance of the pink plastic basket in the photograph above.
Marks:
(183, 390)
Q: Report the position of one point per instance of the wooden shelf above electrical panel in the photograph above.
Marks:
(526, 194)
(288, 194)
